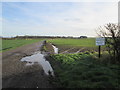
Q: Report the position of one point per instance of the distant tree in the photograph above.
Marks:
(111, 33)
(83, 36)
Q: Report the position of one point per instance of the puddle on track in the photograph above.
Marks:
(39, 58)
(55, 49)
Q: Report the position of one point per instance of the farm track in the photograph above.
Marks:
(16, 75)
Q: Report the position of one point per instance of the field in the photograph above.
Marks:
(89, 42)
(75, 45)
(77, 65)
(83, 69)
(12, 44)
(68, 43)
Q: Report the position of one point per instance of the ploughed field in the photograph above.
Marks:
(12, 44)
(75, 45)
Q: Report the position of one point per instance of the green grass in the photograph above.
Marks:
(12, 44)
(87, 42)
(84, 71)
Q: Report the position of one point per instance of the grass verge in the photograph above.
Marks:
(84, 70)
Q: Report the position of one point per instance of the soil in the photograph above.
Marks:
(49, 48)
(16, 75)
(72, 49)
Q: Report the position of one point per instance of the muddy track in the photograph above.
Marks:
(16, 75)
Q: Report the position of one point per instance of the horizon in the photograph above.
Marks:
(43, 36)
(56, 18)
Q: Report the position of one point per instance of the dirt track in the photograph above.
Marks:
(16, 75)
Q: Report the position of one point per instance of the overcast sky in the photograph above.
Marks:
(56, 18)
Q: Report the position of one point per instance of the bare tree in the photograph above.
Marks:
(111, 32)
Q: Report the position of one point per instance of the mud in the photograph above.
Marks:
(39, 58)
(15, 74)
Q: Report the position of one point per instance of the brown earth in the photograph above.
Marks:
(71, 49)
(16, 75)
(49, 48)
